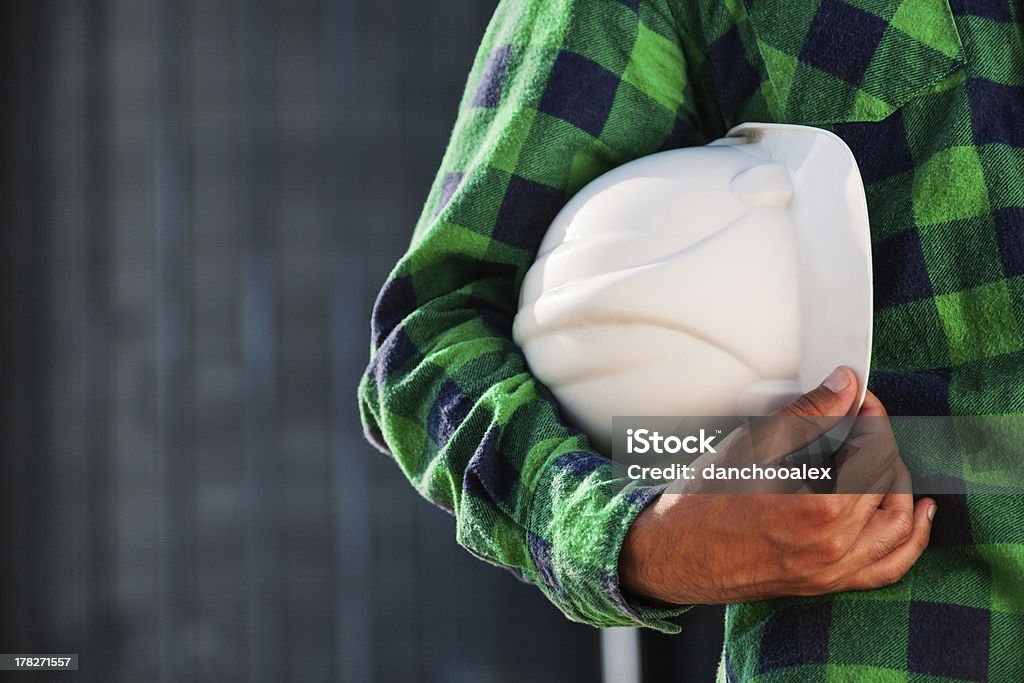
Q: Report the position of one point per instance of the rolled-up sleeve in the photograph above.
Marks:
(560, 92)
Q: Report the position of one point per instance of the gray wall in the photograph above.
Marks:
(202, 198)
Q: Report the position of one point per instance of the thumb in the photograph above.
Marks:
(807, 417)
(832, 398)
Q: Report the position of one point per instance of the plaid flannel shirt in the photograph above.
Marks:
(929, 95)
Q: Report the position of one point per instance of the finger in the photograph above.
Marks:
(767, 440)
(872, 406)
(864, 468)
(807, 418)
(877, 424)
(832, 398)
(900, 493)
(804, 420)
(881, 520)
(865, 504)
(866, 464)
(892, 567)
(872, 419)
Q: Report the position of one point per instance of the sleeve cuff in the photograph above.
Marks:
(639, 611)
(576, 550)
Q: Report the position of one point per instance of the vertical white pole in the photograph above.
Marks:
(620, 655)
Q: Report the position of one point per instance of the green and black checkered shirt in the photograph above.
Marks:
(929, 95)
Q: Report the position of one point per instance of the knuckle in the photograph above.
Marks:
(903, 524)
(811, 404)
(826, 508)
(806, 406)
(832, 549)
(790, 566)
(824, 582)
(880, 549)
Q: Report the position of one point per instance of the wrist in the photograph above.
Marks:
(641, 569)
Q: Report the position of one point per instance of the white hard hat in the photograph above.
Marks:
(720, 280)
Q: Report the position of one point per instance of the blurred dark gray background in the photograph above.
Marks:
(200, 201)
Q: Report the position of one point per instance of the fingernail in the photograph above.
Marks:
(837, 381)
(931, 512)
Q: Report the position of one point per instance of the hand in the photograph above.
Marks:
(720, 548)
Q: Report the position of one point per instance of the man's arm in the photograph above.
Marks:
(561, 91)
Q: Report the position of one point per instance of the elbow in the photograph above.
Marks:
(396, 300)
(391, 349)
